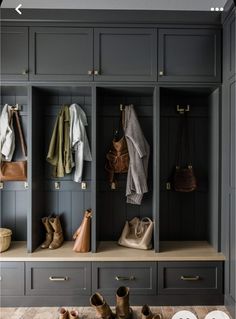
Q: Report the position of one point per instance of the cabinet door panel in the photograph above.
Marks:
(125, 54)
(12, 278)
(189, 55)
(14, 53)
(61, 53)
(229, 50)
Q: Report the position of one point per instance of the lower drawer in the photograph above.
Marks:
(140, 277)
(190, 278)
(58, 278)
(12, 278)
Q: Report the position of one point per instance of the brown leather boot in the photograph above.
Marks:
(73, 314)
(63, 313)
(57, 235)
(49, 233)
(123, 310)
(102, 308)
(147, 314)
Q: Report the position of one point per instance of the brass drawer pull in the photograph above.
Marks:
(120, 278)
(186, 278)
(51, 278)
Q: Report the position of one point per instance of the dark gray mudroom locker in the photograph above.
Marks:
(158, 61)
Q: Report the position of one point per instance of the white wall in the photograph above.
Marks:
(198, 5)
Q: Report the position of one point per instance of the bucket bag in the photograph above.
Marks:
(184, 179)
(15, 171)
(82, 234)
(137, 233)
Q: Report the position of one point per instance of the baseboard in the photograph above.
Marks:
(161, 300)
(230, 304)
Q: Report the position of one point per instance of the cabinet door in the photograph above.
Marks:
(125, 54)
(14, 53)
(61, 54)
(12, 278)
(189, 55)
(229, 53)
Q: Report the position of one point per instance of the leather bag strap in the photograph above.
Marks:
(14, 113)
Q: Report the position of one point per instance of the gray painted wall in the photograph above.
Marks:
(200, 5)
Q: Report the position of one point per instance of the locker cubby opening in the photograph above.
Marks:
(190, 216)
(14, 197)
(112, 210)
(70, 200)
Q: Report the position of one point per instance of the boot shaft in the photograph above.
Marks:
(123, 309)
(102, 308)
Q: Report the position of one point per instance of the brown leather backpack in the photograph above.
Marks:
(117, 159)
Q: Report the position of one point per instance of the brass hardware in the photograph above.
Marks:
(51, 278)
(168, 186)
(90, 72)
(186, 278)
(16, 107)
(121, 107)
(83, 185)
(161, 73)
(26, 185)
(96, 72)
(1, 185)
(113, 185)
(182, 109)
(120, 278)
(57, 185)
(24, 72)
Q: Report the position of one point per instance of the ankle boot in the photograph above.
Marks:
(63, 313)
(102, 308)
(73, 314)
(49, 232)
(123, 310)
(57, 235)
(147, 314)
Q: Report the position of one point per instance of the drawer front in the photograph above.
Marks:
(12, 278)
(140, 277)
(190, 277)
(58, 278)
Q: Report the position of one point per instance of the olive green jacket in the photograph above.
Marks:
(59, 153)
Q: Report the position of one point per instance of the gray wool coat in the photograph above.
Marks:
(139, 151)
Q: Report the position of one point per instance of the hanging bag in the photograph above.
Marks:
(184, 179)
(15, 171)
(137, 233)
(117, 159)
(82, 234)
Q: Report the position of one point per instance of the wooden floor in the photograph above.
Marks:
(89, 313)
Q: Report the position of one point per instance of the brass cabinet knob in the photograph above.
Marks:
(161, 73)
(24, 72)
(90, 72)
(96, 72)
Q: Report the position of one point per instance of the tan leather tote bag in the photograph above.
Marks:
(82, 234)
(137, 233)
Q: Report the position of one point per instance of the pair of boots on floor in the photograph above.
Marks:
(123, 310)
(65, 314)
(54, 235)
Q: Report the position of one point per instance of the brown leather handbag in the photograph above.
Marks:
(117, 159)
(82, 234)
(184, 179)
(15, 171)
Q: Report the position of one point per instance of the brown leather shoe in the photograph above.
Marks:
(147, 314)
(49, 233)
(102, 308)
(58, 234)
(123, 310)
(63, 313)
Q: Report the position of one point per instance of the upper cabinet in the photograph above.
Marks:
(14, 53)
(61, 54)
(125, 54)
(229, 50)
(189, 55)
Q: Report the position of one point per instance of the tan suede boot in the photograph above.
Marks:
(49, 233)
(102, 308)
(147, 314)
(123, 310)
(63, 313)
(57, 235)
(73, 314)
